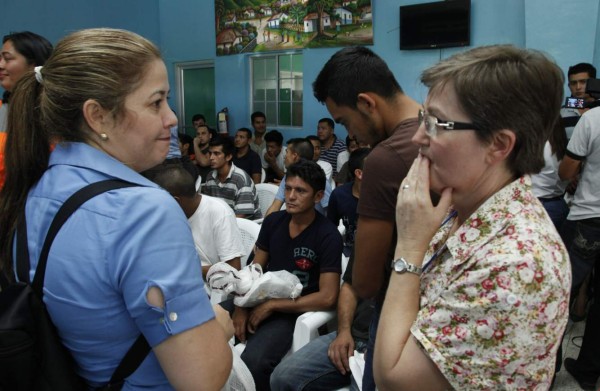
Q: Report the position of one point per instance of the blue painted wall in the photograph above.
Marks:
(542, 24)
(184, 29)
(54, 19)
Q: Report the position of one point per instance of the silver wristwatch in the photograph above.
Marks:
(400, 265)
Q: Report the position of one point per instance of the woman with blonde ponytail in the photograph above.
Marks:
(124, 263)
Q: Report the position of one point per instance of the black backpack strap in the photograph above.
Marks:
(66, 210)
(139, 350)
(4, 281)
(132, 360)
(7, 274)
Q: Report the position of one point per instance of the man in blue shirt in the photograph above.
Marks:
(344, 199)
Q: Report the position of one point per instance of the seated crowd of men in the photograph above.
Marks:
(302, 239)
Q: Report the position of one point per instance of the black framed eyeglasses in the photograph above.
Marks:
(432, 123)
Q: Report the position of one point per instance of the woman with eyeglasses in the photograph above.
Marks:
(479, 296)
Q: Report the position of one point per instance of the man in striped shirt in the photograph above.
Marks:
(230, 183)
(330, 145)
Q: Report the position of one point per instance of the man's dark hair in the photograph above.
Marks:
(357, 160)
(196, 117)
(581, 68)
(328, 121)
(212, 131)
(274, 136)
(351, 71)
(186, 139)
(302, 147)
(174, 178)
(257, 114)
(247, 131)
(224, 141)
(348, 141)
(310, 172)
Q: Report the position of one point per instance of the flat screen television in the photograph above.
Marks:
(441, 24)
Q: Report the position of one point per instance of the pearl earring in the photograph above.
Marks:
(103, 136)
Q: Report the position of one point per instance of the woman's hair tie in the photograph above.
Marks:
(38, 74)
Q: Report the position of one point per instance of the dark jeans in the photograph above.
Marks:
(368, 378)
(557, 209)
(310, 369)
(267, 346)
(582, 239)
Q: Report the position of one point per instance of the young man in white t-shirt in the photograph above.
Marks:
(581, 234)
(213, 223)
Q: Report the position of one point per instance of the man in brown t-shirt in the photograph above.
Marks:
(362, 94)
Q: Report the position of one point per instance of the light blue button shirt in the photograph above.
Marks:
(105, 258)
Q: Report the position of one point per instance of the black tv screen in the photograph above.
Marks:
(441, 24)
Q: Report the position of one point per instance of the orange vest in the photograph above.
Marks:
(2, 145)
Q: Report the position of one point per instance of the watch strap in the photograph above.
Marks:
(409, 267)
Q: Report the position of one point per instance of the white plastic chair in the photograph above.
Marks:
(342, 158)
(266, 194)
(198, 184)
(327, 168)
(308, 324)
(342, 230)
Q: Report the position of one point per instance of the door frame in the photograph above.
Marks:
(180, 67)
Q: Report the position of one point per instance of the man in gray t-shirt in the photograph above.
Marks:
(581, 234)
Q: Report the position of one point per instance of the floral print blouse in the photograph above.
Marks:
(494, 300)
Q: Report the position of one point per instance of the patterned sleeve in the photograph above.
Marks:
(496, 323)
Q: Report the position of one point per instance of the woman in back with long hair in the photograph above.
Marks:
(21, 52)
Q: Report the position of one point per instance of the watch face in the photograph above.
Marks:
(400, 265)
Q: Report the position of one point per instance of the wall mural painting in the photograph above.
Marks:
(245, 26)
